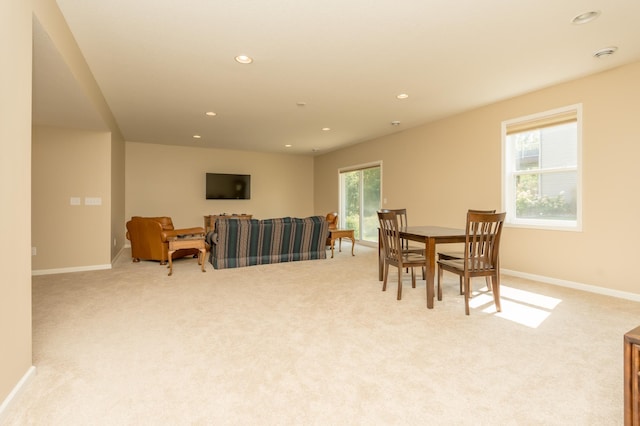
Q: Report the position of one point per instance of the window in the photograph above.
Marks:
(542, 170)
(360, 201)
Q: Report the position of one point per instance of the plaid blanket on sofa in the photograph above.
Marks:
(237, 243)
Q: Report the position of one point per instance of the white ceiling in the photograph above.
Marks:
(162, 64)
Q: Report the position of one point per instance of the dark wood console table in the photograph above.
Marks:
(210, 220)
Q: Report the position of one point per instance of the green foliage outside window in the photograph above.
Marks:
(530, 204)
(370, 194)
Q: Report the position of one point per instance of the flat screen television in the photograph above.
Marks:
(223, 186)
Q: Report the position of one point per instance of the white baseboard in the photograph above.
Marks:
(575, 285)
(17, 390)
(71, 269)
(117, 256)
(79, 268)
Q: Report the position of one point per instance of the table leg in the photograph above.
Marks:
(333, 243)
(201, 257)
(353, 244)
(171, 262)
(430, 253)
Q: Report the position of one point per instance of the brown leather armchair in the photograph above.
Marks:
(149, 238)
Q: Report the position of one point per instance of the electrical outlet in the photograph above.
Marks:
(33, 251)
(115, 242)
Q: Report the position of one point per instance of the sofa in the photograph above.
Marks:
(239, 243)
(149, 238)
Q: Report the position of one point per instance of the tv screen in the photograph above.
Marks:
(221, 186)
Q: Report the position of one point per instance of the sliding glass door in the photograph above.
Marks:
(360, 200)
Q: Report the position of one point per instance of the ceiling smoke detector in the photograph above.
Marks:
(607, 51)
(395, 123)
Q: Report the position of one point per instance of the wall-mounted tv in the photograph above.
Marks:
(222, 186)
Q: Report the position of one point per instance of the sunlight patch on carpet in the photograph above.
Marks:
(520, 306)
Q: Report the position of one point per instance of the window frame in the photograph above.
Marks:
(508, 172)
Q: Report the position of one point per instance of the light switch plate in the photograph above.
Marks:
(92, 201)
(74, 201)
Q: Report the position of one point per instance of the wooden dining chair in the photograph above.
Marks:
(332, 218)
(403, 222)
(448, 255)
(394, 253)
(481, 255)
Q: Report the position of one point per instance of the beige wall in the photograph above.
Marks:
(166, 180)
(15, 188)
(441, 169)
(55, 25)
(70, 163)
(117, 194)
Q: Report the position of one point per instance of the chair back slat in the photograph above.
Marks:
(402, 221)
(390, 236)
(483, 240)
(401, 214)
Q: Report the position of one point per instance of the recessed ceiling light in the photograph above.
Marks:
(211, 113)
(288, 145)
(607, 51)
(197, 136)
(402, 96)
(244, 59)
(326, 129)
(585, 17)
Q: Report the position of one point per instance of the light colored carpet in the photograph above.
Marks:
(316, 343)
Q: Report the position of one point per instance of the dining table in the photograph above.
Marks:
(430, 236)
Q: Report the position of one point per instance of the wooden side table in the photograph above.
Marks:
(339, 234)
(187, 242)
(632, 377)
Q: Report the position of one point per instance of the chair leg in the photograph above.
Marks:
(386, 274)
(496, 291)
(467, 290)
(440, 279)
(488, 283)
(399, 282)
(413, 277)
(462, 287)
